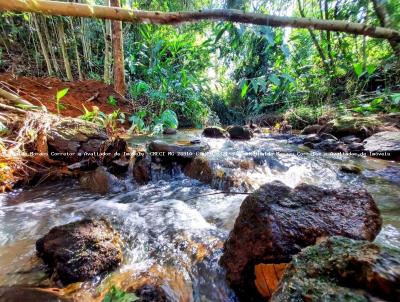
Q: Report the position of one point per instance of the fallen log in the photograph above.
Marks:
(137, 16)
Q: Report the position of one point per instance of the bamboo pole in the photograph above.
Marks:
(137, 16)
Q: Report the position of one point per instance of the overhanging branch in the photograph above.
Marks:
(137, 16)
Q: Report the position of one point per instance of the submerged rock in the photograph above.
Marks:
(341, 269)
(240, 132)
(29, 294)
(350, 168)
(390, 174)
(384, 142)
(80, 250)
(215, 132)
(331, 145)
(151, 293)
(276, 222)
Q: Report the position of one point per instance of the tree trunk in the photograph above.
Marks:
(384, 19)
(42, 45)
(61, 36)
(118, 53)
(108, 49)
(135, 16)
(78, 58)
(52, 54)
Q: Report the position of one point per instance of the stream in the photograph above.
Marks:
(173, 228)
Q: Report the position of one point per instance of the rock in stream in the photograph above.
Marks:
(276, 222)
(341, 269)
(80, 250)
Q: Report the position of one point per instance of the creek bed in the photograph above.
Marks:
(174, 227)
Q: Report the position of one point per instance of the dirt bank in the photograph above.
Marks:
(86, 93)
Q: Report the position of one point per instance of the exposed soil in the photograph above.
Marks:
(86, 93)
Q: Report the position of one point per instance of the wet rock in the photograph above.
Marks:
(142, 170)
(254, 127)
(297, 139)
(70, 137)
(240, 132)
(355, 125)
(165, 150)
(29, 294)
(387, 142)
(276, 222)
(349, 168)
(215, 132)
(309, 145)
(112, 150)
(119, 166)
(325, 136)
(100, 181)
(199, 168)
(331, 145)
(349, 139)
(390, 174)
(311, 129)
(80, 250)
(342, 269)
(356, 147)
(151, 293)
(312, 138)
(83, 165)
(170, 131)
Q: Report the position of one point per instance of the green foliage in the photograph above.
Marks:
(303, 115)
(233, 69)
(117, 295)
(112, 101)
(107, 121)
(60, 94)
(168, 119)
(156, 124)
(386, 103)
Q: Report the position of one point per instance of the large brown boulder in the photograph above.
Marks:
(215, 132)
(276, 222)
(70, 139)
(240, 132)
(342, 269)
(384, 144)
(80, 250)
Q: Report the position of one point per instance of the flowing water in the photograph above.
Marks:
(173, 228)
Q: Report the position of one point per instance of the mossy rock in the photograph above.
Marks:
(355, 125)
(342, 269)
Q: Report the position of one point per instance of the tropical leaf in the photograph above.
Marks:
(61, 93)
